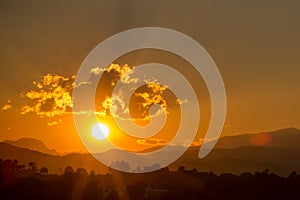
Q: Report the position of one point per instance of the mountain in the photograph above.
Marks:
(32, 144)
(54, 163)
(129, 157)
(281, 161)
(243, 159)
(279, 152)
(276, 150)
(283, 138)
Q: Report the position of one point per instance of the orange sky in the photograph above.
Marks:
(255, 46)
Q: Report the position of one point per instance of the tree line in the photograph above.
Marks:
(19, 181)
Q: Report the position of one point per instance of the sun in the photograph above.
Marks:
(100, 131)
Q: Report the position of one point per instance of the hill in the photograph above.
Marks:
(54, 163)
(283, 138)
(33, 144)
(282, 161)
(232, 154)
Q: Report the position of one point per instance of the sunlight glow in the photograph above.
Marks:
(100, 131)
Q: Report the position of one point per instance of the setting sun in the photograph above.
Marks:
(100, 131)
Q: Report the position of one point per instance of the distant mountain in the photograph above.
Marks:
(279, 152)
(284, 138)
(242, 159)
(54, 163)
(32, 144)
(136, 160)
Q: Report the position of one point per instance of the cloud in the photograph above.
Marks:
(7, 106)
(196, 143)
(113, 105)
(124, 72)
(152, 141)
(97, 70)
(53, 123)
(199, 142)
(81, 83)
(155, 96)
(51, 98)
(181, 101)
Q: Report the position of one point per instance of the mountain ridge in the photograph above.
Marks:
(276, 139)
(32, 144)
(281, 158)
(54, 163)
(223, 142)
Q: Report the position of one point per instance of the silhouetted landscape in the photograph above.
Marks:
(232, 154)
(149, 100)
(236, 169)
(29, 182)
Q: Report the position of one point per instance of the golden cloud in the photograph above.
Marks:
(155, 96)
(113, 105)
(51, 98)
(7, 105)
(152, 141)
(52, 123)
(124, 72)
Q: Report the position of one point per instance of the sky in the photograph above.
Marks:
(254, 44)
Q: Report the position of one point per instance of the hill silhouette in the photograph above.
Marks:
(283, 138)
(54, 163)
(232, 154)
(243, 159)
(33, 144)
(19, 181)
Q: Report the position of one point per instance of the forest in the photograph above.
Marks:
(20, 181)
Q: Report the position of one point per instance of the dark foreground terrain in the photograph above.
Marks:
(28, 182)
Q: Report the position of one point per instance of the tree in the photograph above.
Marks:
(120, 166)
(44, 170)
(69, 170)
(181, 169)
(81, 171)
(32, 167)
(92, 173)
